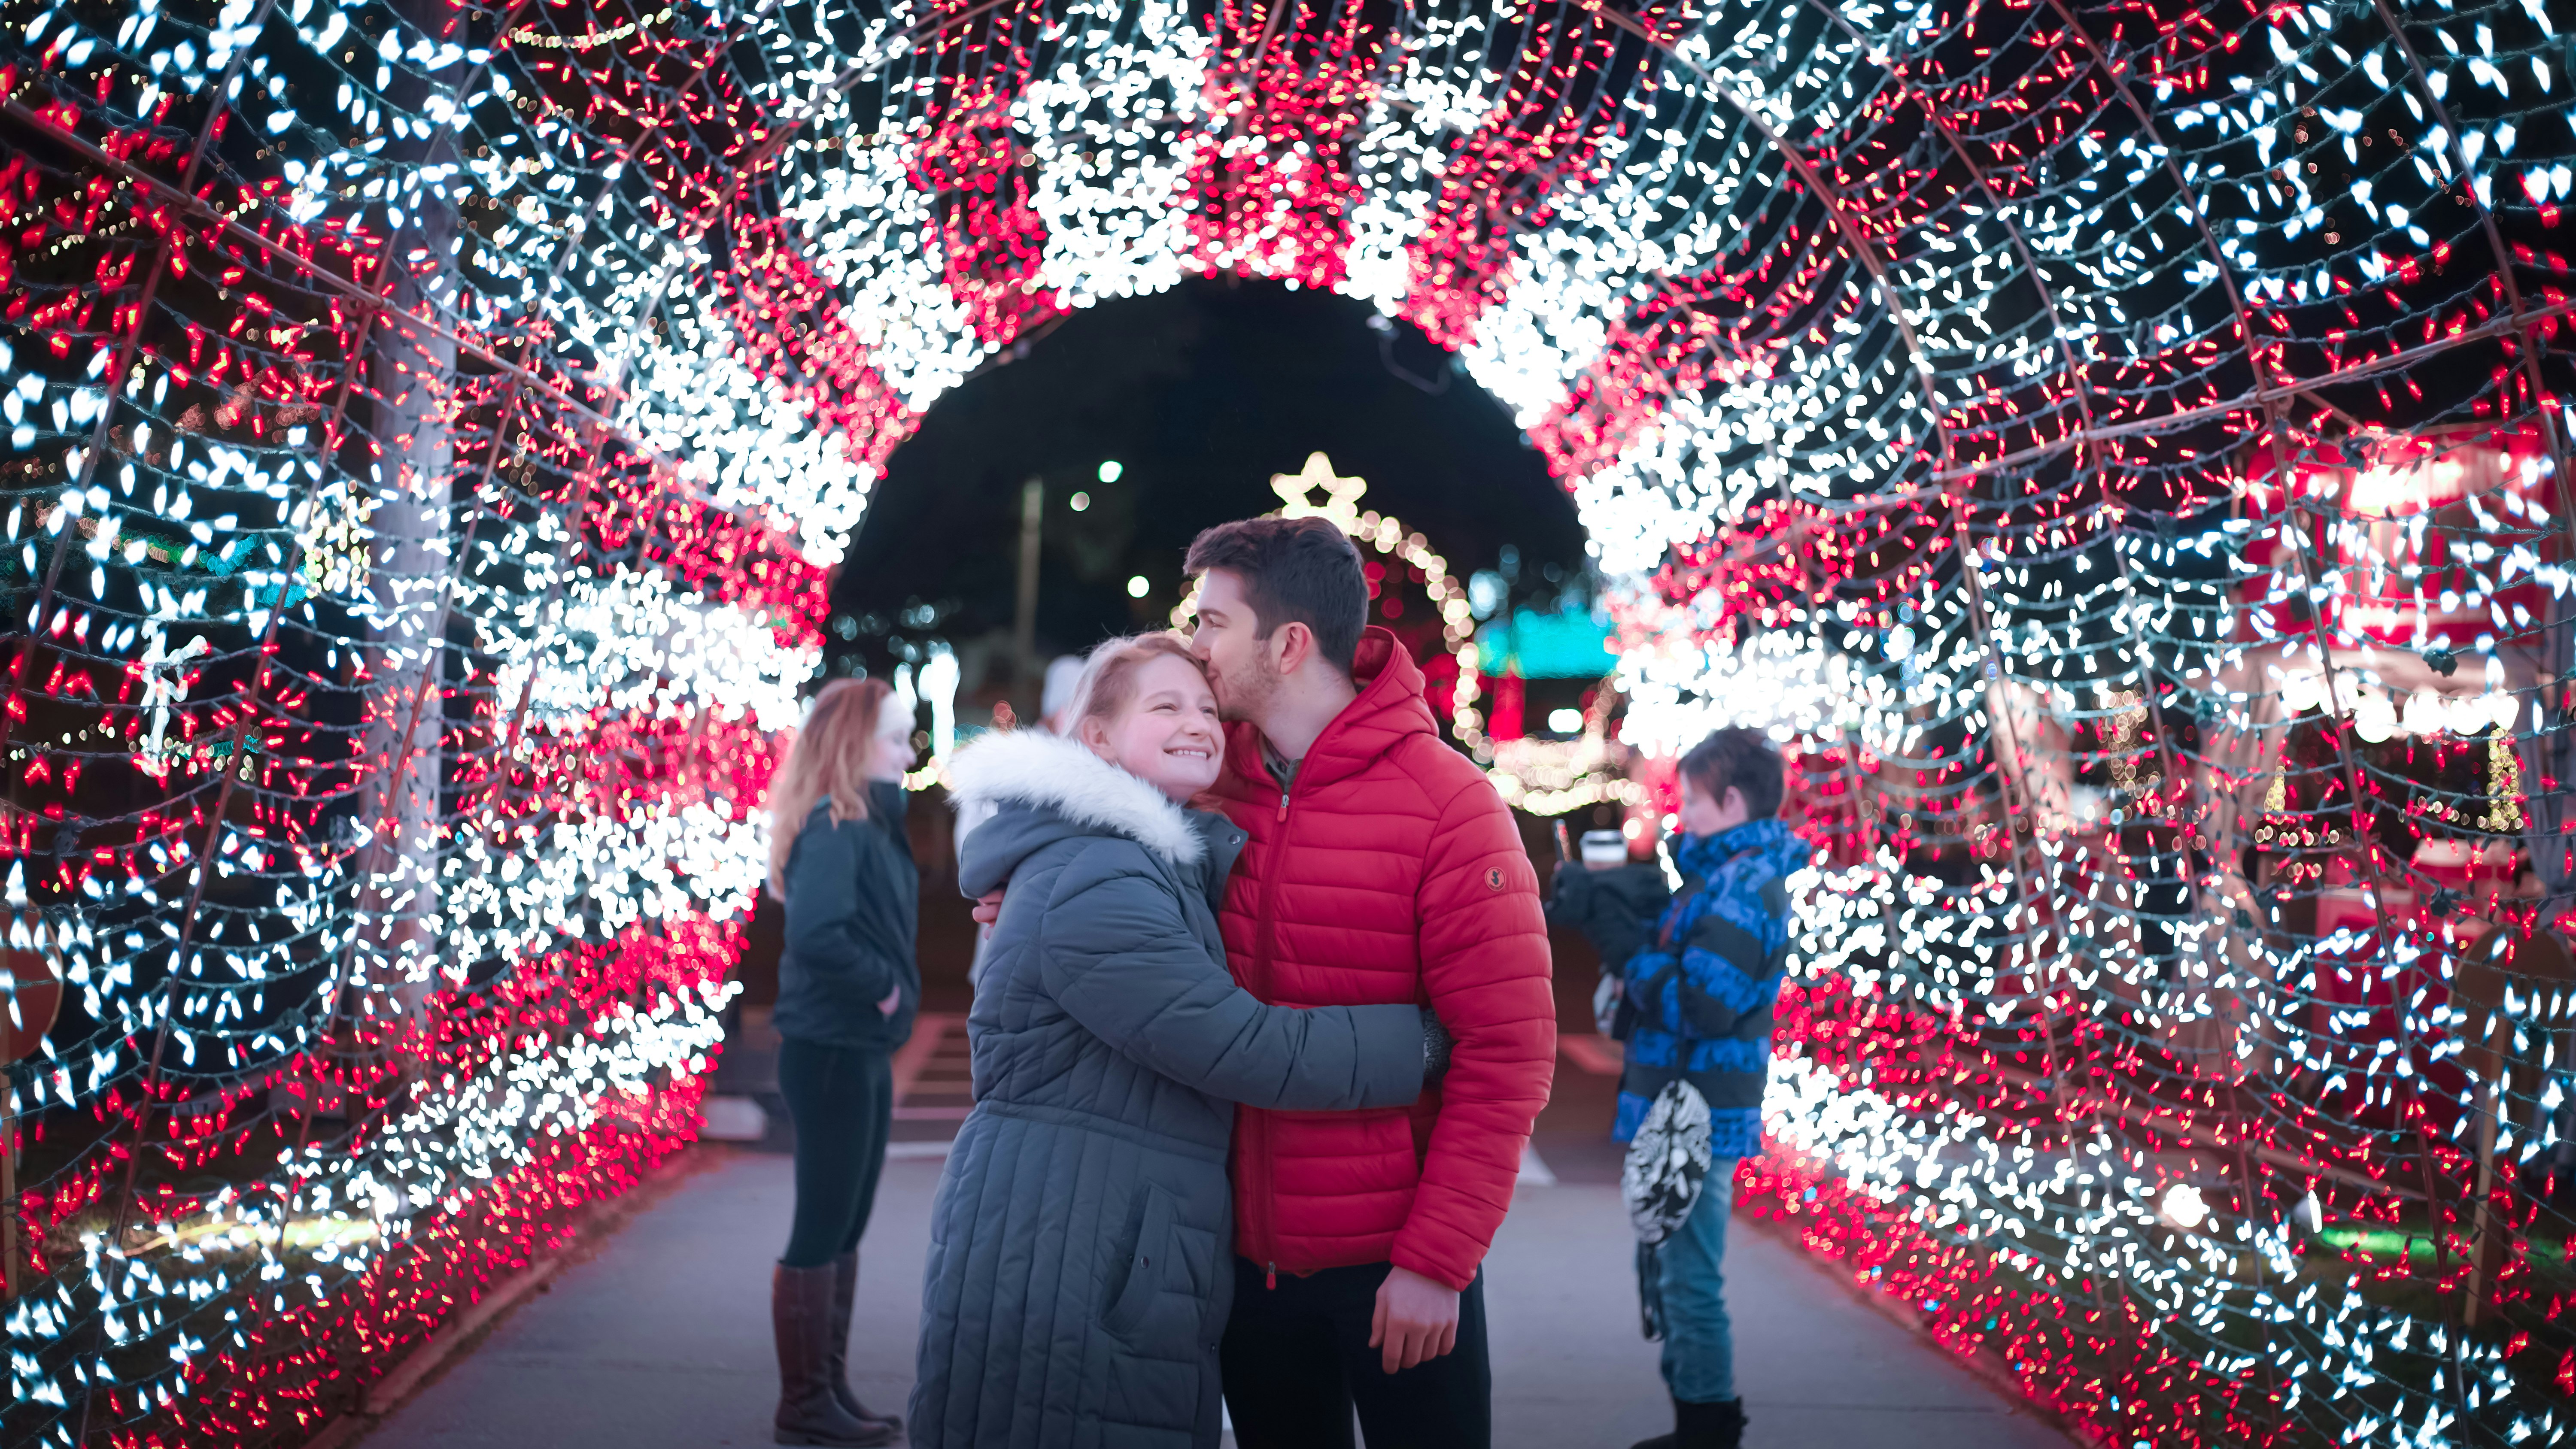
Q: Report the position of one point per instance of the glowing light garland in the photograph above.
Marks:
(2121, 452)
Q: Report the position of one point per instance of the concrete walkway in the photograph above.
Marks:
(659, 1339)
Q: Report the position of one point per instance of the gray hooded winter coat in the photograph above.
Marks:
(1079, 1275)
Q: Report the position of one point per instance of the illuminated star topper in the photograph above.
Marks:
(1341, 495)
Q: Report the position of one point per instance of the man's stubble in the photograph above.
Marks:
(1245, 694)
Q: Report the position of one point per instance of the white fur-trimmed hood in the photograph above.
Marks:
(1032, 767)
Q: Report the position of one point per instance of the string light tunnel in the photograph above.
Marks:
(2120, 451)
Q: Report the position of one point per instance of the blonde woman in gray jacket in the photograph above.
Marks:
(1079, 1275)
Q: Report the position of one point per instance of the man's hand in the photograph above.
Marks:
(988, 909)
(1416, 1321)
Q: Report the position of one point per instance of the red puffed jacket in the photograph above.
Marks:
(1389, 871)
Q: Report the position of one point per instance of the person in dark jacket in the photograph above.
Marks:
(848, 988)
(1080, 1259)
(1700, 988)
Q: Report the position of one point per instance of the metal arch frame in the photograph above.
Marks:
(2119, 76)
(2519, 321)
(2273, 423)
(1859, 243)
(1862, 248)
(2481, 1213)
(2335, 695)
(2006, 211)
(2521, 315)
(115, 378)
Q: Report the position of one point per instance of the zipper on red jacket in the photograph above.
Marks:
(1258, 1160)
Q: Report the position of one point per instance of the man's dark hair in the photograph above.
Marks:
(1743, 758)
(1294, 570)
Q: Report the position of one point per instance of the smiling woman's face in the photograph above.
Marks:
(1168, 734)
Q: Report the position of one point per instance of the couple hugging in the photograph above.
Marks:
(1263, 1024)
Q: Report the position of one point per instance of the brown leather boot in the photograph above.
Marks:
(845, 1294)
(800, 1315)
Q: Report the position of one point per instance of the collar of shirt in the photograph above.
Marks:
(1281, 768)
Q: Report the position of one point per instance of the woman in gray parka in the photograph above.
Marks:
(1079, 1276)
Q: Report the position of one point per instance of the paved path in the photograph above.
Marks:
(660, 1338)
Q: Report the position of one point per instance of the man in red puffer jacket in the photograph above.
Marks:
(1382, 868)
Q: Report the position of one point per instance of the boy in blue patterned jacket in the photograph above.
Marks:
(1700, 996)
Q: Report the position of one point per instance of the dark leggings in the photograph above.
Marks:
(842, 1102)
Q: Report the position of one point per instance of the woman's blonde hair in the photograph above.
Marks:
(828, 761)
(1108, 682)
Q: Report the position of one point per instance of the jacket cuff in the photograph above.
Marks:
(1390, 1054)
(1407, 1256)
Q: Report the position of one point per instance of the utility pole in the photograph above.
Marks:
(414, 565)
(1024, 619)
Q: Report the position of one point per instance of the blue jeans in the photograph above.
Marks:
(1699, 1348)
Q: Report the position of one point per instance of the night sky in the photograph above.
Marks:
(1201, 393)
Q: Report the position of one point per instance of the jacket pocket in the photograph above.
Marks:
(1150, 1263)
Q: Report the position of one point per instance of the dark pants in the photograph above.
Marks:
(842, 1103)
(1296, 1359)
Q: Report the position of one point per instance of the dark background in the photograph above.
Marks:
(1201, 393)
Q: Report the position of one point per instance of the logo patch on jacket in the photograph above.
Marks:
(1494, 876)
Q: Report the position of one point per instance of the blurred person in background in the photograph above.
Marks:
(848, 987)
(1055, 697)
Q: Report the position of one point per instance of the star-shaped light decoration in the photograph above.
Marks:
(1341, 495)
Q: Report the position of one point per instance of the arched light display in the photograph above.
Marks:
(2120, 449)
